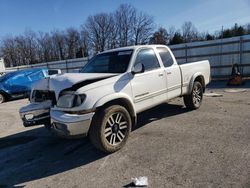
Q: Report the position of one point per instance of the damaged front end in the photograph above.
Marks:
(38, 111)
(53, 94)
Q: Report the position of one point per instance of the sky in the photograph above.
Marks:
(17, 16)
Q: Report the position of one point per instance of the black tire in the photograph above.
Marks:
(194, 99)
(2, 98)
(109, 136)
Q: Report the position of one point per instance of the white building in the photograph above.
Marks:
(2, 65)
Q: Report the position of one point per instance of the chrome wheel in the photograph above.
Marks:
(197, 95)
(116, 128)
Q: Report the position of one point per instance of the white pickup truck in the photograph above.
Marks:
(103, 100)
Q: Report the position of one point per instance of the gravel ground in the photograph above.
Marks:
(173, 147)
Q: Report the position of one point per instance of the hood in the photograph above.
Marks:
(74, 81)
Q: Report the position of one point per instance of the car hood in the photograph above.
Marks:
(74, 81)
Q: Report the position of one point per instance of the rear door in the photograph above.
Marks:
(149, 87)
(172, 71)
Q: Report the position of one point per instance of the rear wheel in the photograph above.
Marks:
(2, 98)
(194, 99)
(110, 128)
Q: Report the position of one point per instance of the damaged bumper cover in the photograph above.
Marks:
(36, 113)
(70, 125)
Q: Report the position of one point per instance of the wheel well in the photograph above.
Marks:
(201, 80)
(122, 102)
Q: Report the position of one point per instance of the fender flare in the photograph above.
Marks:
(116, 96)
(198, 74)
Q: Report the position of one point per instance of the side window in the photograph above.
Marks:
(148, 58)
(165, 56)
(38, 75)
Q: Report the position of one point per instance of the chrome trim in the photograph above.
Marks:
(67, 125)
(34, 112)
(157, 93)
(140, 95)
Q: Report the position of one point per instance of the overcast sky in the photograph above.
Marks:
(16, 16)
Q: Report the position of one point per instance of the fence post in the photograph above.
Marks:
(240, 55)
(66, 64)
(47, 65)
(186, 52)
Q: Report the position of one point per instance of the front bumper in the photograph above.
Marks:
(70, 125)
(36, 114)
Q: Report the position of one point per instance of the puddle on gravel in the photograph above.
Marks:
(9, 142)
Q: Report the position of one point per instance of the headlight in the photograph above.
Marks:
(70, 100)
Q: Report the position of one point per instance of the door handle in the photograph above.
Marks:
(169, 73)
(160, 74)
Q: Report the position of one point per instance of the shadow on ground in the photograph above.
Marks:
(36, 154)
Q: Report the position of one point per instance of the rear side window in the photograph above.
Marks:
(38, 75)
(165, 56)
(148, 58)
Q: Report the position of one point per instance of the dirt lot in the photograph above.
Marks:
(173, 147)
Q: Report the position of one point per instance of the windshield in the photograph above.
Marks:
(111, 62)
(7, 76)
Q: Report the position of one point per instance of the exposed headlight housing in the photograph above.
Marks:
(42, 95)
(70, 100)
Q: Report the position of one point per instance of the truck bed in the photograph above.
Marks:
(189, 70)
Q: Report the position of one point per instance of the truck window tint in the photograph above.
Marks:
(165, 57)
(148, 58)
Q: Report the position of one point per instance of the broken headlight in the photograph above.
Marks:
(42, 95)
(70, 100)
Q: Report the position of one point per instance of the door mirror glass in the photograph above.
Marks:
(138, 68)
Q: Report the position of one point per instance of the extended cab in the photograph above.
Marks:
(103, 100)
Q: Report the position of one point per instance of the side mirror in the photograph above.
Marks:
(54, 71)
(138, 68)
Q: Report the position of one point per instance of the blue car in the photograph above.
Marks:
(18, 84)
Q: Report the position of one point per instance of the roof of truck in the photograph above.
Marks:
(133, 47)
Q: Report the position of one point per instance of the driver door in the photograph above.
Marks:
(148, 87)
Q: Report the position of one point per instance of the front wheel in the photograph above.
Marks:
(2, 98)
(194, 99)
(110, 128)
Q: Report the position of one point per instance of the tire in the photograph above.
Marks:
(110, 128)
(193, 101)
(2, 98)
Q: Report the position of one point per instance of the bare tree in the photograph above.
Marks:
(45, 47)
(31, 47)
(189, 32)
(8, 51)
(161, 36)
(72, 42)
(143, 26)
(125, 16)
(99, 29)
(113, 41)
(26, 48)
(59, 42)
(84, 43)
(171, 31)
